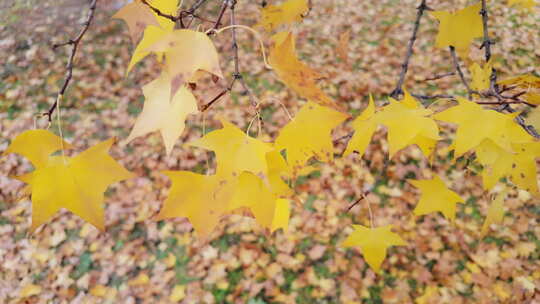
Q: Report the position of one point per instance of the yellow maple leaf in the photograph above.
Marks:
(276, 169)
(25, 144)
(75, 183)
(152, 34)
(290, 11)
(364, 127)
(519, 166)
(29, 290)
(495, 213)
(187, 52)
(525, 81)
(460, 28)
(160, 114)
(373, 243)
(533, 98)
(480, 76)
(137, 16)
(254, 194)
(436, 197)
(408, 123)
(282, 213)
(476, 124)
(235, 150)
(309, 135)
(203, 199)
(293, 73)
(524, 4)
(428, 294)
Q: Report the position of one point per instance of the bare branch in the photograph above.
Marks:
(460, 72)
(236, 76)
(410, 49)
(75, 45)
(440, 76)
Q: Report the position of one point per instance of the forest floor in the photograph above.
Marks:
(140, 260)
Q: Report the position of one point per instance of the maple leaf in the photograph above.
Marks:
(309, 135)
(290, 11)
(364, 127)
(187, 52)
(137, 16)
(436, 197)
(235, 150)
(373, 243)
(276, 169)
(476, 124)
(524, 4)
(408, 123)
(254, 194)
(481, 76)
(75, 183)
(458, 29)
(159, 114)
(343, 46)
(282, 213)
(203, 199)
(293, 73)
(526, 81)
(495, 214)
(45, 140)
(152, 34)
(520, 166)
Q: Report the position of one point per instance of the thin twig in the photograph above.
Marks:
(236, 76)
(493, 87)
(440, 76)
(410, 49)
(69, 67)
(222, 12)
(181, 14)
(460, 72)
(438, 96)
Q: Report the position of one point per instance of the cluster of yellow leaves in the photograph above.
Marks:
(188, 55)
(501, 145)
(251, 174)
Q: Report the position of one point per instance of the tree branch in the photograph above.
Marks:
(236, 76)
(75, 45)
(460, 72)
(410, 49)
